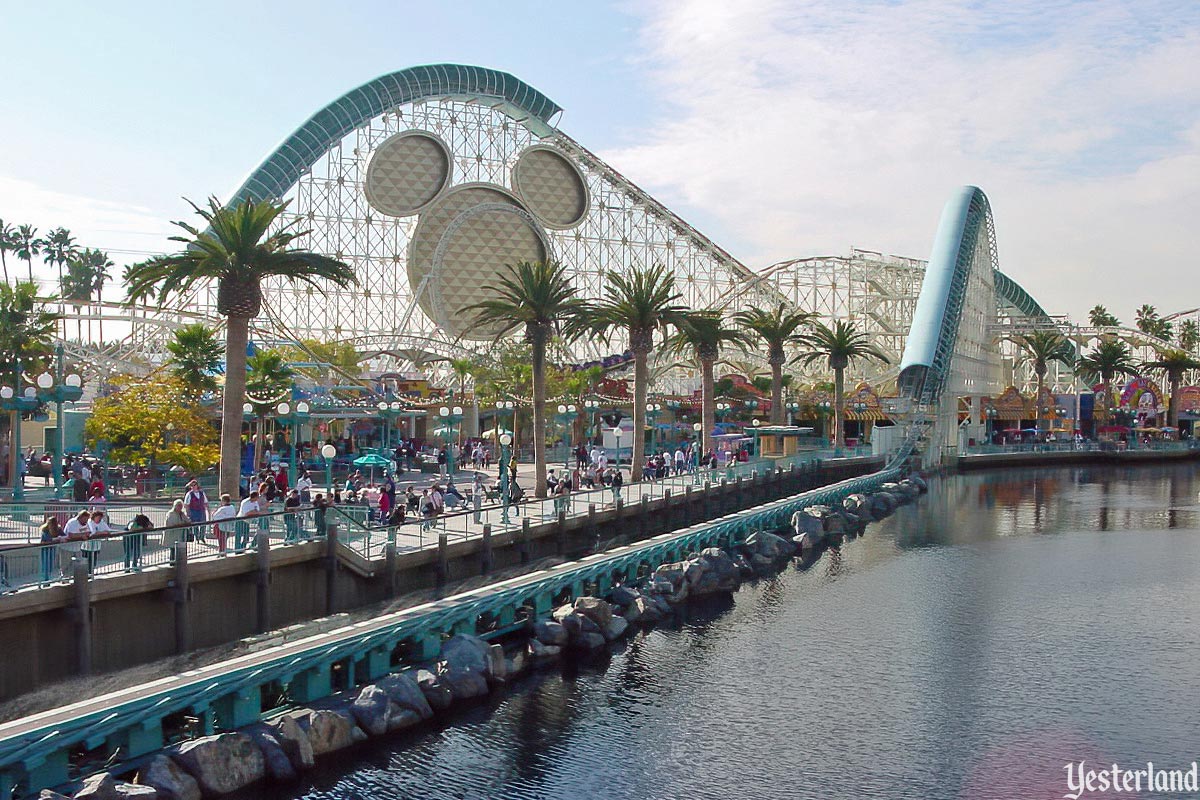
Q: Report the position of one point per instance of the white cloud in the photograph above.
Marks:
(802, 128)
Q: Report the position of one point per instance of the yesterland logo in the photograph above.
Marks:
(1113, 778)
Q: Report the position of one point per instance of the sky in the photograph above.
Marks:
(779, 129)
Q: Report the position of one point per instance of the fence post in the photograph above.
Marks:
(523, 544)
(392, 568)
(593, 530)
(689, 515)
(560, 534)
(485, 554)
(262, 560)
(83, 618)
(331, 540)
(180, 592)
(668, 512)
(443, 563)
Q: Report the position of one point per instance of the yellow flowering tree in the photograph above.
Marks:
(145, 423)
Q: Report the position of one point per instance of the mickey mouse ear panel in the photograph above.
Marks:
(407, 173)
(551, 187)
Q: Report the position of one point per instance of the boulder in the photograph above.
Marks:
(168, 779)
(743, 566)
(588, 625)
(517, 663)
(670, 574)
(595, 609)
(402, 689)
(548, 632)
(132, 790)
(919, 482)
(223, 763)
(855, 502)
(398, 717)
(99, 787)
(294, 741)
(562, 611)
(642, 609)
(623, 595)
(616, 628)
(769, 545)
(589, 641)
(465, 685)
(464, 653)
(810, 520)
(572, 624)
(370, 710)
(275, 758)
(328, 730)
(835, 524)
(693, 572)
(50, 794)
(541, 653)
(719, 572)
(437, 692)
(497, 670)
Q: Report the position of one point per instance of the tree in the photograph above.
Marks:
(1041, 348)
(1188, 335)
(336, 361)
(196, 357)
(1172, 363)
(838, 346)
(58, 248)
(704, 333)
(641, 304)
(28, 246)
(776, 329)
(1110, 359)
(153, 422)
(8, 243)
(268, 381)
(238, 252)
(26, 333)
(1100, 318)
(538, 298)
(1149, 322)
(462, 368)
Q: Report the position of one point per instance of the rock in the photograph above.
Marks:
(919, 482)
(402, 689)
(671, 574)
(541, 653)
(168, 779)
(589, 641)
(743, 566)
(548, 632)
(436, 692)
(328, 730)
(370, 710)
(463, 653)
(48, 794)
(399, 717)
(357, 735)
(595, 609)
(835, 524)
(497, 666)
(855, 502)
(223, 763)
(616, 628)
(719, 573)
(642, 609)
(693, 572)
(562, 611)
(854, 521)
(587, 625)
(465, 685)
(761, 563)
(294, 741)
(278, 764)
(99, 787)
(769, 545)
(660, 587)
(664, 608)
(623, 595)
(132, 790)
(518, 663)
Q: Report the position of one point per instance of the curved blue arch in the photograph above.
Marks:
(300, 151)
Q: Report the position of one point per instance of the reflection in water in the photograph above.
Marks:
(967, 647)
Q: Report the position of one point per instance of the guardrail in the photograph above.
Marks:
(36, 752)
(1120, 446)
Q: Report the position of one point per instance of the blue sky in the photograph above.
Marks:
(780, 129)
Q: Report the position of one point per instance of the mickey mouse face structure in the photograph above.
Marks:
(465, 234)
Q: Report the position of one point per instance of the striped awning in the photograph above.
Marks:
(870, 415)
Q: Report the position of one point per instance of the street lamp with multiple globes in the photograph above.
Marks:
(617, 436)
(567, 412)
(387, 413)
(791, 407)
(990, 413)
(698, 429)
(653, 412)
(17, 404)
(505, 442)
(720, 409)
(293, 419)
(592, 407)
(450, 417)
(60, 390)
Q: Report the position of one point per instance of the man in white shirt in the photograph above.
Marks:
(225, 511)
(248, 508)
(680, 461)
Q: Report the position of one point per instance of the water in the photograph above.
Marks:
(968, 647)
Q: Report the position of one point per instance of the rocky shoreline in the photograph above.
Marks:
(469, 667)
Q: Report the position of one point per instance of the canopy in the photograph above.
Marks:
(372, 460)
(490, 432)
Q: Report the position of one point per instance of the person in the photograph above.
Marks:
(52, 535)
(617, 481)
(195, 502)
(249, 508)
(266, 496)
(176, 519)
(97, 498)
(76, 531)
(385, 505)
(98, 529)
(428, 510)
(442, 460)
(97, 485)
(453, 497)
(477, 492)
(134, 540)
(224, 517)
(413, 501)
(680, 461)
(291, 519)
(320, 506)
(562, 494)
(304, 485)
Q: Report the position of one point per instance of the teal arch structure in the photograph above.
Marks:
(925, 366)
(300, 151)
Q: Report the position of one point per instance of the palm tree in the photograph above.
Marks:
(1110, 359)
(538, 298)
(1100, 318)
(237, 252)
(837, 346)
(1041, 348)
(776, 329)
(75, 286)
(8, 242)
(640, 304)
(1188, 335)
(704, 333)
(196, 357)
(1149, 322)
(462, 368)
(98, 264)
(26, 333)
(1172, 363)
(58, 248)
(268, 380)
(28, 246)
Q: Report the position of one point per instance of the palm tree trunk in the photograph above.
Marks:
(29, 263)
(4, 262)
(776, 391)
(237, 332)
(708, 404)
(641, 379)
(839, 391)
(1173, 382)
(1037, 404)
(260, 435)
(539, 413)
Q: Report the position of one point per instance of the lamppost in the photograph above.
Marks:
(328, 452)
(592, 407)
(859, 407)
(566, 416)
(750, 406)
(791, 407)
(754, 425)
(293, 419)
(17, 403)
(60, 390)
(697, 428)
(720, 409)
(617, 436)
(824, 408)
(653, 411)
(450, 417)
(388, 412)
(990, 413)
(505, 442)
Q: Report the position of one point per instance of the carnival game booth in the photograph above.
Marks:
(783, 441)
